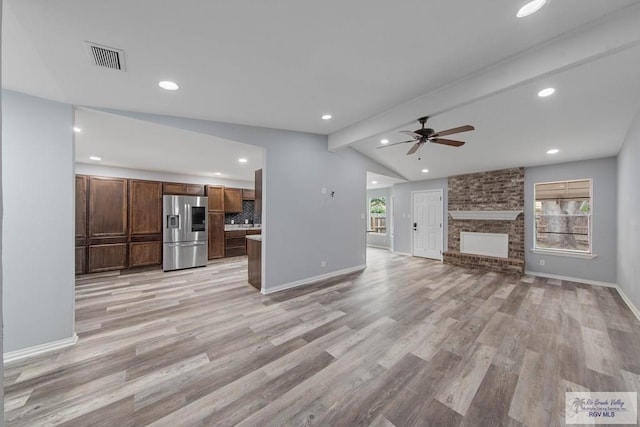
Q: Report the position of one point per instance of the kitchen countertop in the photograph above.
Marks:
(256, 237)
(233, 227)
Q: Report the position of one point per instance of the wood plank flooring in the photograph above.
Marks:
(407, 342)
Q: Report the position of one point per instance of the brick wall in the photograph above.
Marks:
(501, 190)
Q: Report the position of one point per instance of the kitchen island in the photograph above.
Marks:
(254, 253)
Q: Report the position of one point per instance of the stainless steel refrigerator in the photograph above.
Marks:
(185, 232)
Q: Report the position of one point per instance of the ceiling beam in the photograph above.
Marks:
(611, 34)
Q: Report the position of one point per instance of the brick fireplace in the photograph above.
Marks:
(488, 208)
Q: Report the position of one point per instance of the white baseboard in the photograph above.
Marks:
(401, 253)
(630, 304)
(624, 296)
(313, 279)
(378, 246)
(572, 279)
(37, 350)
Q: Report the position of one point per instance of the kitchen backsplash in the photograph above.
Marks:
(248, 211)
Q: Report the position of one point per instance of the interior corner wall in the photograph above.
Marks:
(380, 240)
(302, 226)
(38, 221)
(401, 194)
(629, 214)
(604, 206)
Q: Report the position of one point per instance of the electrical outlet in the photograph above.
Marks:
(324, 190)
(541, 262)
(323, 264)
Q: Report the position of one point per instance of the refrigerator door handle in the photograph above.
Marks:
(185, 245)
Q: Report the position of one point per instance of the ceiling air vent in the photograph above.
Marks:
(106, 57)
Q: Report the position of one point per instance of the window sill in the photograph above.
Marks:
(564, 254)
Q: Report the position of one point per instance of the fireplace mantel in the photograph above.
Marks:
(486, 215)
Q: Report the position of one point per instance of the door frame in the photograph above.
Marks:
(440, 191)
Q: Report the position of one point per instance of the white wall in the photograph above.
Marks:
(38, 221)
(603, 172)
(1, 221)
(376, 239)
(302, 226)
(114, 172)
(628, 265)
(401, 194)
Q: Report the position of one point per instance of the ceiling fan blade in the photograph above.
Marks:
(414, 148)
(450, 142)
(395, 143)
(451, 131)
(411, 133)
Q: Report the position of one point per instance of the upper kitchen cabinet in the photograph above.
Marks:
(145, 208)
(107, 208)
(248, 194)
(215, 194)
(233, 200)
(183, 189)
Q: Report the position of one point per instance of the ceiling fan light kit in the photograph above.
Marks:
(423, 135)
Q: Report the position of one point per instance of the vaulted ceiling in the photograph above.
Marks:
(375, 66)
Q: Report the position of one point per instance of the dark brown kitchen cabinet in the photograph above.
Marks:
(233, 200)
(107, 208)
(248, 194)
(145, 208)
(183, 189)
(81, 259)
(81, 209)
(107, 257)
(254, 263)
(108, 224)
(235, 243)
(215, 196)
(81, 223)
(145, 253)
(216, 238)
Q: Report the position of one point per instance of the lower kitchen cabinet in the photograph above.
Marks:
(235, 243)
(216, 235)
(107, 257)
(81, 259)
(145, 253)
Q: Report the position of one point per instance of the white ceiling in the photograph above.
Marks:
(130, 143)
(375, 181)
(283, 64)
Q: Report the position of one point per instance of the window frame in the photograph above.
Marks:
(565, 252)
(369, 216)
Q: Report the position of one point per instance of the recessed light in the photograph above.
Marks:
(242, 160)
(425, 170)
(530, 8)
(217, 174)
(546, 92)
(96, 158)
(327, 117)
(374, 182)
(384, 141)
(167, 85)
(76, 129)
(553, 151)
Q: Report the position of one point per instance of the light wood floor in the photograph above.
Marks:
(406, 342)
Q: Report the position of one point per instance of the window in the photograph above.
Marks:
(378, 215)
(563, 216)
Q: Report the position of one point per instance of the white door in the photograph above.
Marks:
(427, 224)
